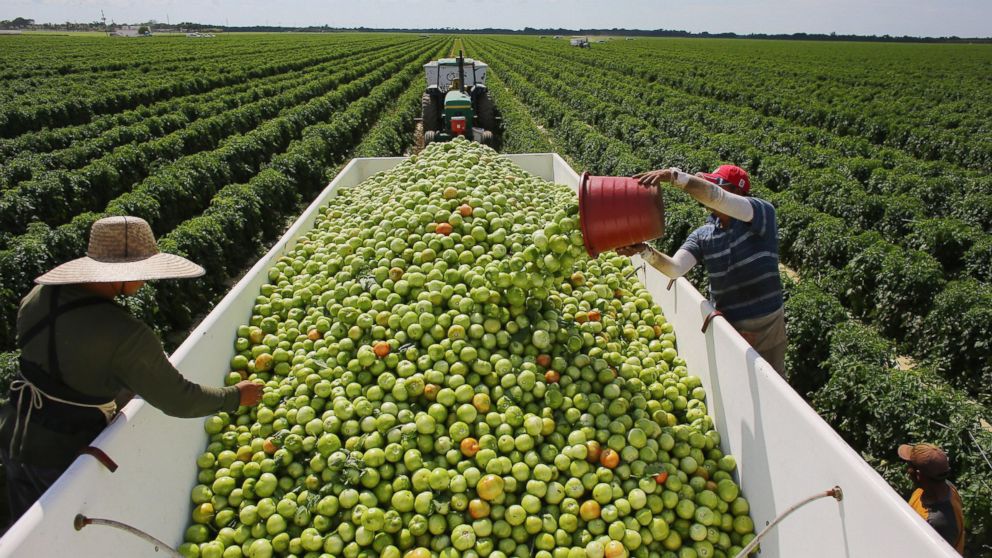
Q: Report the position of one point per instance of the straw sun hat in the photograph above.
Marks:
(121, 249)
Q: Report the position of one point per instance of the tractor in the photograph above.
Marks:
(456, 102)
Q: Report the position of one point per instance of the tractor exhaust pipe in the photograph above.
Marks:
(461, 71)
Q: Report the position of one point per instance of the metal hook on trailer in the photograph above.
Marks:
(81, 521)
(835, 493)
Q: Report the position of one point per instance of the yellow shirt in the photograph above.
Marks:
(946, 516)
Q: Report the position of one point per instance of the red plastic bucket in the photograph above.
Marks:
(616, 211)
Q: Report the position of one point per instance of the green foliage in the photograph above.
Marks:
(183, 189)
(519, 133)
(8, 369)
(947, 239)
(877, 407)
(811, 316)
(958, 332)
(978, 260)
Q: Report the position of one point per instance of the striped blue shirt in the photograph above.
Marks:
(742, 262)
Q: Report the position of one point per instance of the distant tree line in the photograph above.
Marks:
(28, 24)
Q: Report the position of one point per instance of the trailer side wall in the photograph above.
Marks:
(785, 451)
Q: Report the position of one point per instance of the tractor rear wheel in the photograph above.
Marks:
(429, 113)
(487, 111)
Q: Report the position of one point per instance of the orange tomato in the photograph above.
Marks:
(469, 447)
(465, 210)
(615, 549)
(381, 349)
(595, 315)
(444, 228)
(552, 377)
(478, 509)
(589, 510)
(543, 360)
(609, 459)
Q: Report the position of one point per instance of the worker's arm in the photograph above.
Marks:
(140, 364)
(703, 191)
(672, 266)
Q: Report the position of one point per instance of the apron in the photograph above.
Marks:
(43, 397)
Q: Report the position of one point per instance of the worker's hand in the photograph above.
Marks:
(251, 393)
(656, 177)
(632, 250)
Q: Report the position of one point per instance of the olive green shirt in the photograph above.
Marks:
(102, 350)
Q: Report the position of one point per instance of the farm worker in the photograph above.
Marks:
(935, 499)
(79, 352)
(739, 247)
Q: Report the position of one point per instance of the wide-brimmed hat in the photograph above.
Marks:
(121, 249)
(927, 459)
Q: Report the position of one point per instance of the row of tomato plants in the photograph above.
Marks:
(40, 56)
(256, 213)
(168, 198)
(142, 126)
(55, 68)
(51, 139)
(862, 177)
(38, 90)
(962, 249)
(56, 198)
(818, 330)
(852, 378)
(894, 287)
(151, 63)
(56, 110)
(519, 134)
(929, 103)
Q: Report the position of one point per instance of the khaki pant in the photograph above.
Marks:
(767, 335)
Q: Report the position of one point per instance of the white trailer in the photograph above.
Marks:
(784, 450)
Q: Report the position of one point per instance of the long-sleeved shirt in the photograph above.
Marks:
(102, 350)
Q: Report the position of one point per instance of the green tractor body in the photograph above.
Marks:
(456, 102)
(458, 116)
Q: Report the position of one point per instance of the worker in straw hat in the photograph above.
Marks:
(738, 244)
(934, 498)
(80, 350)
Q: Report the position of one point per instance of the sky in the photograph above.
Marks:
(971, 18)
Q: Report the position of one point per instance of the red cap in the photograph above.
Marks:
(730, 175)
(927, 459)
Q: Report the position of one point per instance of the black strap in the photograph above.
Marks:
(54, 311)
(58, 311)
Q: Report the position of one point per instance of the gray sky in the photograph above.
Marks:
(864, 17)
